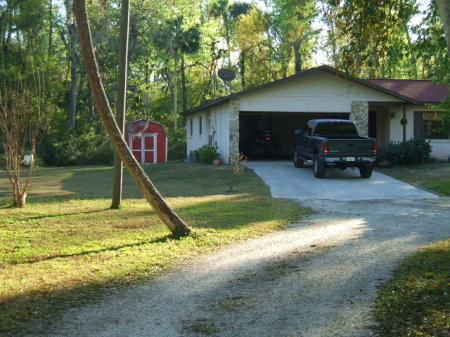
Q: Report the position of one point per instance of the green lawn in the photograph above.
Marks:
(416, 302)
(434, 177)
(66, 247)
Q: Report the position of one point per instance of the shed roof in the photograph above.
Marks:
(422, 91)
(373, 84)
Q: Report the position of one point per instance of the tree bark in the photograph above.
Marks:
(184, 96)
(297, 56)
(162, 209)
(121, 99)
(444, 10)
(242, 58)
(50, 31)
(73, 91)
(175, 91)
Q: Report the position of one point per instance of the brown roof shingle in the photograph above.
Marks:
(422, 91)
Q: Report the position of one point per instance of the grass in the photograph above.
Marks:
(66, 247)
(417, 301)
(434, 177)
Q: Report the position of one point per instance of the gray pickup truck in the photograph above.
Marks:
(334, 143)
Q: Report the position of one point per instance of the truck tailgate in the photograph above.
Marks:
(354, 147)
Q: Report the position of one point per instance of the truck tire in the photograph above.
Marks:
(298, 162)
(318, 167)
(365, 171)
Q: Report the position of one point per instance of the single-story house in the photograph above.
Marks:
(387, 109)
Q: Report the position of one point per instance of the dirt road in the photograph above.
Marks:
(316, 279)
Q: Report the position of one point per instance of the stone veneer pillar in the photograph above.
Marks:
(234, 129)
(360, 115)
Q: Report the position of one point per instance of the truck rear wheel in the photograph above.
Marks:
(318, 167)
(298, 162)
(365, 171)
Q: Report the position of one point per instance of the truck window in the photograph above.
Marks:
(336, 129)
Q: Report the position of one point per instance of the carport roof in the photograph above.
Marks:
(373, 84)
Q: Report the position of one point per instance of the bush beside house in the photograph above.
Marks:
(414, 151)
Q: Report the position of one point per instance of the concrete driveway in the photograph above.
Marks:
(287, 181)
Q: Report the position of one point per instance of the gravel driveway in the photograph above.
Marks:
(317, 278)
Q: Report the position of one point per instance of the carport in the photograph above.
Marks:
(268, 135)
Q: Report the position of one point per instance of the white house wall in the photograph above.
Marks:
(440, 148)
(215, 130)
(196, 140)
(319, 92)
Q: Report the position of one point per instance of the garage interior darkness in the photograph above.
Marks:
(269, 135)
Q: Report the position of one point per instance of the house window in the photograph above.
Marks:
(200, 126)
(191, 127)
(433, 126)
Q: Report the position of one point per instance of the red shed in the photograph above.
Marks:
(147, 140)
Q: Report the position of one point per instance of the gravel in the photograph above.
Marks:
(317, 278)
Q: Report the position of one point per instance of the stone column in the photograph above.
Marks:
(360, 115)
(234, 129)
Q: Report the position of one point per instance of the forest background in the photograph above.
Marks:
(178, 46)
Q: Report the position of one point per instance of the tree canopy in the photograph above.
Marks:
(176, 48)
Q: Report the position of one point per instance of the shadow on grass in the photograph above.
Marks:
(65, 214)
(36, 259)
(40, 310)
(94, 182)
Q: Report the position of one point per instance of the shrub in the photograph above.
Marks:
(414, 151)
(177, 144)
(207, 153)
(89, 148)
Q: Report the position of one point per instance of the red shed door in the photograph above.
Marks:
(150, 148)
(136, 146)
(144, 147)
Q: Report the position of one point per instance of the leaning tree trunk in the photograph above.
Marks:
(162, 209)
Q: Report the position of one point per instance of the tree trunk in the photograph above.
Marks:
(162, 209)
(444, 10)
(184, 96)
(175, 91)
(297, 56)
(121, 99)
(242, 58)
(146, 94)
(410, 44)
(50, 31)
(226, 23)
(73, 91)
